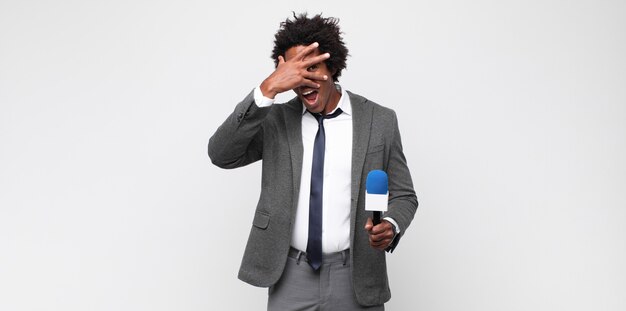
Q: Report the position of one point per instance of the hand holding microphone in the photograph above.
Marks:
(381, 233)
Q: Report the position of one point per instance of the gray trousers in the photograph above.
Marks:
(328, 289)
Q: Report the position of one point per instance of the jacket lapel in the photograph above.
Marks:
(293, 126)
(361, 127)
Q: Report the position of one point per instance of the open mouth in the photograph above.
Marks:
(310, 96)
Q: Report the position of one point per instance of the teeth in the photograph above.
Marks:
(307, 93)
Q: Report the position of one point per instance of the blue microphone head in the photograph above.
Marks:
(377, 182)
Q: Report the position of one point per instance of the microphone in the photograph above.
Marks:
(376, 194)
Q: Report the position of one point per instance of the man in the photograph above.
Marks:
(311, 240)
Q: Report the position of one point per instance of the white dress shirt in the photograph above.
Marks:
(337, 177)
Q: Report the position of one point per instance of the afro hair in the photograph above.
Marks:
(303, 30)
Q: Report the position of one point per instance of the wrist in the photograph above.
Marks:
(393, 222)
(394, 228)
(267, 90)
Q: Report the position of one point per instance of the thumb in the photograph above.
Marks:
(369, 224)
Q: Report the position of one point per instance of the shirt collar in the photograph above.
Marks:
(344, 102)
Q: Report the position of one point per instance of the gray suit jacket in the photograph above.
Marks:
(274, 134)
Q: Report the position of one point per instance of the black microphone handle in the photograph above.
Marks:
(376, 218)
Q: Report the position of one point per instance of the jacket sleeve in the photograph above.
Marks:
(239, 140)
(402, 199)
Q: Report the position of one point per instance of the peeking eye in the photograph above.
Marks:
(312, 68)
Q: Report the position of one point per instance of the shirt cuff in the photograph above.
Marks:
(260, 100)
(391, 220)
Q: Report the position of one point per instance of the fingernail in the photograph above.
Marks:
(327, 54)
(315, 44)
(325, 77)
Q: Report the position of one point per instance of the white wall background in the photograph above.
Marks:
(512, 113)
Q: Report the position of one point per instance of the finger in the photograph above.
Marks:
(315, 60)
(368, 224)
(382, 244)
(309, 83)
(315, 76)
(381, 227)
(281, 59)
(383, 236)
(307, 50)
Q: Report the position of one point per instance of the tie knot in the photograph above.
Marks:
(320, 117)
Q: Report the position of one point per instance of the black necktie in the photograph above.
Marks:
(314, 244)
